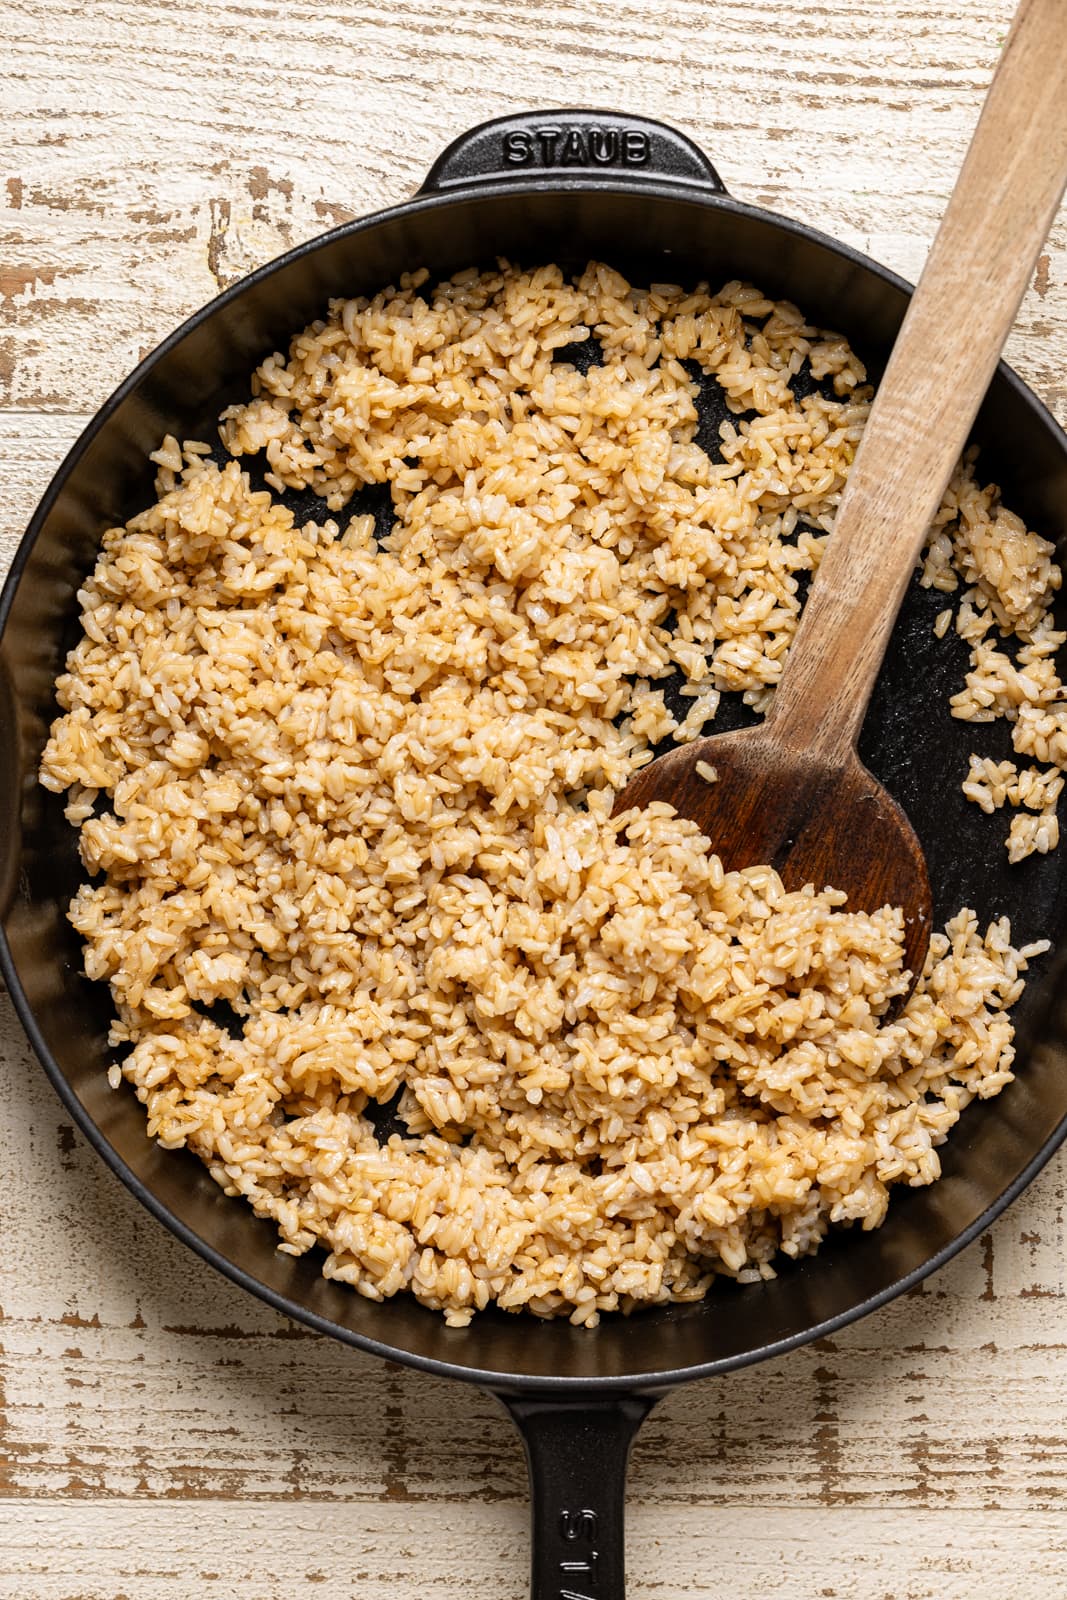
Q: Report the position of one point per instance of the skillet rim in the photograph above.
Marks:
(649, 187)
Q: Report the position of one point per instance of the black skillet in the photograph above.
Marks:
(563, 186)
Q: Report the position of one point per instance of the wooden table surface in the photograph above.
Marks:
(161, 1434)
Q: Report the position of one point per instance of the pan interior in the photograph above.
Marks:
(909, 741)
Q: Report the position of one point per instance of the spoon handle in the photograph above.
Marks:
(960, 315)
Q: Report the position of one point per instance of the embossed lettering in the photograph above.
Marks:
(575, 1526)
(584, 1569)
(572, 149)
(518, 150)
(546, 138)
(578, 1525)
(603, 146)
(552, 146)
(635, 149)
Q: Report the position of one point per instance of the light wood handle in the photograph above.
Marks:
(960, 315)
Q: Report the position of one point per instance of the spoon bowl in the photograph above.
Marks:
(814, 821)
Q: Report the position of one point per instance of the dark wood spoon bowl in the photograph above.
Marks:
(813, 822)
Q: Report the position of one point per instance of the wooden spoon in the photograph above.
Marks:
(792, 791)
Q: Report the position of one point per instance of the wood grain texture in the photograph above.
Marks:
(162, 1434)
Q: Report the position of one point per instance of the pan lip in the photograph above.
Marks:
(502, 1382)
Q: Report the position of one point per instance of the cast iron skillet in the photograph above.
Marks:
(563, 186)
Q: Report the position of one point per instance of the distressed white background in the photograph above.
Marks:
(163, 1436)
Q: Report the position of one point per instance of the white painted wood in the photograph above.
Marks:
(162, 1434)
(281, 1550)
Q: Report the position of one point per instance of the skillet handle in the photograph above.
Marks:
(545, 147)
(576, 1452)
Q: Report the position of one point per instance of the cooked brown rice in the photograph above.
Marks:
(362, 795)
